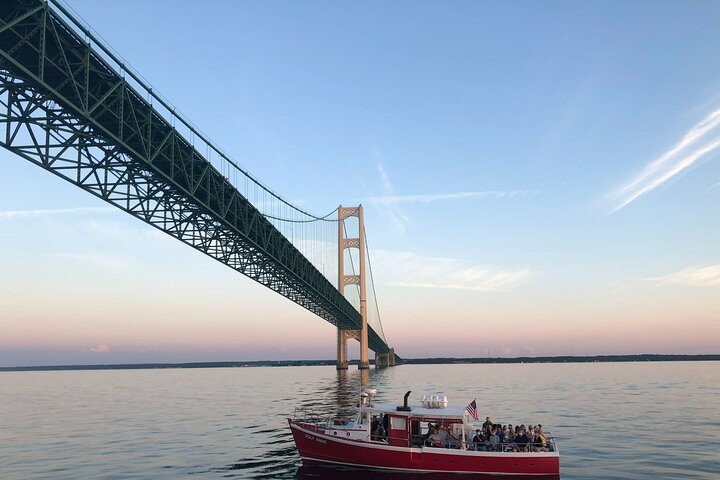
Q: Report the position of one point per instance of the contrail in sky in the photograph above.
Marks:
(435, 197)
(680, 157)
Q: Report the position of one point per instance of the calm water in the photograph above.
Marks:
(624, 421)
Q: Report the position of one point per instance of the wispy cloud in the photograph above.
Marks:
(700, 141)
(407, 269)
(437, 197)
(100, 348)
(98, 260)
(694, 277)
(54, 211)
(395, 213)
(391, 204)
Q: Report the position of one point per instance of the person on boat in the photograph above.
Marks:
(500, 434)
(521, 440)
(509, 440)
(494, 440)
(539, 441)
(379, 433)
(452, 440)
(426, 437)
(487, 426)
(531, 437)
(430, 436)
(548, 445)
(434, 440)
(478, 440)
(443, 434)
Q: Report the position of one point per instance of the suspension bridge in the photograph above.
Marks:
(71, 105)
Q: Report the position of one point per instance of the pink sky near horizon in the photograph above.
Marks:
(119, 319)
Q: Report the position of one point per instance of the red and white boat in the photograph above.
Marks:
(402, 445)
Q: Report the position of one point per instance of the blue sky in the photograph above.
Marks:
(539, 177)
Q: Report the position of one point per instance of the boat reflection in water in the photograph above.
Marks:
(329, 472)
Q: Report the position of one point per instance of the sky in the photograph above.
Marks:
(539, 178)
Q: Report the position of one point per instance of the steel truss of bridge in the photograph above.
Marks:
(65, 108)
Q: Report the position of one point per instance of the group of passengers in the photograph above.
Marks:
(506, 438)
(441, 436)
(491, 438)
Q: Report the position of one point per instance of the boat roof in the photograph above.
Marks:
(455, 413)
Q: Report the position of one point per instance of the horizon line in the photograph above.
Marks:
(605, 358)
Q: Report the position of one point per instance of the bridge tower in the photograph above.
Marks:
(343, 280)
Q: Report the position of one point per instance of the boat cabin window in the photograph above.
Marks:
(398, 423)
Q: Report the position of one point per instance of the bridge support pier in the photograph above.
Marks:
(342, 338)
(342, 363)
(384, 360)
(357, 279)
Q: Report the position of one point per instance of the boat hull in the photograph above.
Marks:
(316, 447)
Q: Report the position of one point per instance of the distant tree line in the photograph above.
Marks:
(408, 361)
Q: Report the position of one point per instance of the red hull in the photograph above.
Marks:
(317, 447)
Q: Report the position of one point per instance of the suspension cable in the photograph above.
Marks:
(372, 283)
(325, 218)
(123, 66)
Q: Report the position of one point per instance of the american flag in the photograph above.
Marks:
(472, 409)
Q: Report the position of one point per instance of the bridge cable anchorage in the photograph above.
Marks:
(372, 284)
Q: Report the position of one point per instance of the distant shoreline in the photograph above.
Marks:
(408, 361)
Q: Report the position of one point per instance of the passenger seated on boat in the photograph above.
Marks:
(379, 434)
(433, 439)
(521, 440)
(509, 445)
(478, 440)
(452, 440)
(539, 441)
(426, 437)
(531, 438)
(494, 440)
(442, 434)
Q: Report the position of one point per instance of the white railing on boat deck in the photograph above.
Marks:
(550, 446)
(315, 419)
(311, 417)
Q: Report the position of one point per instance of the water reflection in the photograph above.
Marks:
(313, 472)
(364, 378)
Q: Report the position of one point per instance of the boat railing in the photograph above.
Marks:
(550, 446)
(312, 417)
(309, 416)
